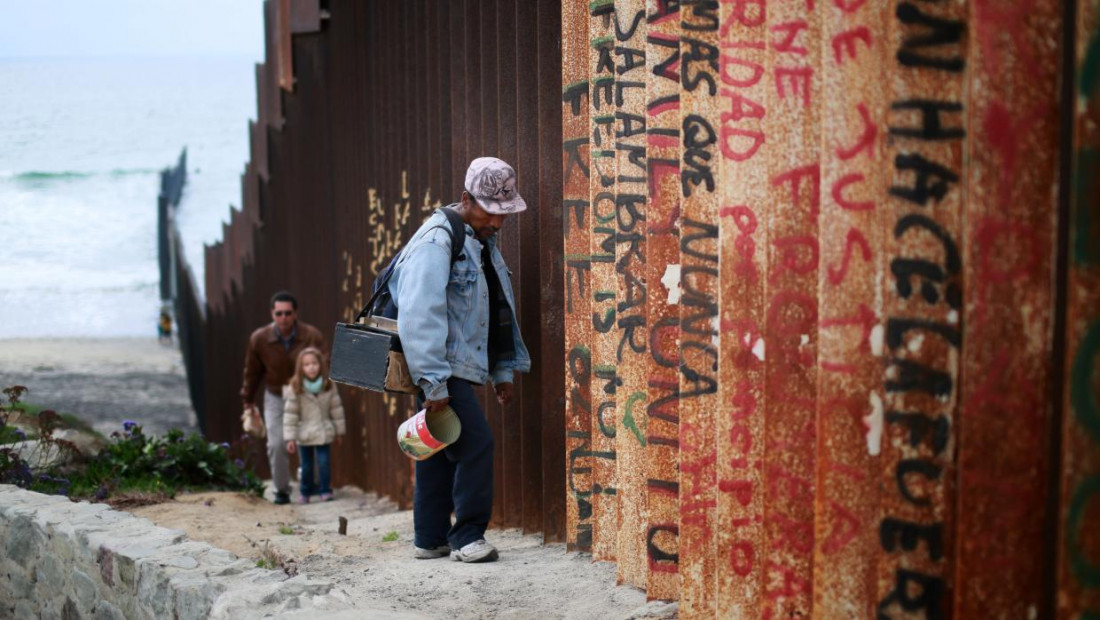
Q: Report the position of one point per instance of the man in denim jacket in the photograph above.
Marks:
(458, 329)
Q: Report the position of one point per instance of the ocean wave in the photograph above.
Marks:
(32, 289)
(41, 176)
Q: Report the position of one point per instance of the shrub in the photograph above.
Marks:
(132, 462)
(30, 467)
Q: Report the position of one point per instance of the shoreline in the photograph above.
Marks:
(103, 381)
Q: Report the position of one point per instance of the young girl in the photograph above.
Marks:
(313, 419)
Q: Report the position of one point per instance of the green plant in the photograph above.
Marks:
(29, 465)
(133, 463)
(286, 530)
(171, 462)
(390, 537)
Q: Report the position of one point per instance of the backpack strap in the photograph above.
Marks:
(458, 233)
(458, 242)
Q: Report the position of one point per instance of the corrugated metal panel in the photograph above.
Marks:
(282, 32)
(743, 239)
(305, 16)
(631, 330)
(699, 303)
(1078, 542)
(552, 266)
(1008, 344)
(853, 204)
(576, 218)
(926, 123)
(662, 430)
(601, 196)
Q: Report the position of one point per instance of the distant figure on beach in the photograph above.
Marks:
(459, 330)
(164, 327)
(272, 352)
(313, 421)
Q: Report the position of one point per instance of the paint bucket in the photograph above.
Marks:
(426, 433)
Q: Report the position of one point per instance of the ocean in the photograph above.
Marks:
(83, 141)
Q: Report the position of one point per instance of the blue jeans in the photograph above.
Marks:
(457, 479)
(322, 463)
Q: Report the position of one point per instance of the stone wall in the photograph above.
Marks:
(60, 559)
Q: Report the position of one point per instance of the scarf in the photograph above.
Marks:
(314, 387)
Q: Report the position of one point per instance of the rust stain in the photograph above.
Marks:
(850, 277)
(632, 351)
(605, 294)
(1078, 583)
(743, 238)
(662, 450)
(791, 316)
(578, 285)
(926, 126)
(699, 303)
(1008, 258)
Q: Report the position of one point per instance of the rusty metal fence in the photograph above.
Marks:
(368, 116)
(813, 288)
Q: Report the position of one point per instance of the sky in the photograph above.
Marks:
(84, 28)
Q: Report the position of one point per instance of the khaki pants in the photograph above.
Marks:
(276, 447)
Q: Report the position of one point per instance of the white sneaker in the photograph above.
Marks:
(433, 553)
(477, 551)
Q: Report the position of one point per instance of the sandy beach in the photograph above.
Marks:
(102, 381)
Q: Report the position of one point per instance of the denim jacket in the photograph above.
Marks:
(443, 311)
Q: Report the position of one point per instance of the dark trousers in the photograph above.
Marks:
(459, 478)
(315, 457)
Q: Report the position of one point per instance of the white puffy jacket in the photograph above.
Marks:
(312, 419)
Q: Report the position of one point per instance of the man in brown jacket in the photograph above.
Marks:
(272, 351)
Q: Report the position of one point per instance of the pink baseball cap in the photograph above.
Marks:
(492, 183)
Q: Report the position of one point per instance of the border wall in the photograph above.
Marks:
(811, 287)
(368, 114)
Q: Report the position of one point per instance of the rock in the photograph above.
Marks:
(24, 610)
(88, 444)
(43, 456)
(153, 588)
(50, 576)
(85, 590)
(195, 595)
(23, 541)
(107, 611)
(69, 610)
(183, 561)
(106, 561)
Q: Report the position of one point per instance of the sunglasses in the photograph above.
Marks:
(284, 312)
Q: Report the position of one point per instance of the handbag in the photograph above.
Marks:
(252, 423)
(367, 353)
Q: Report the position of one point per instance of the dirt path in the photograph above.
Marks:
(103, 381)
(530, 580)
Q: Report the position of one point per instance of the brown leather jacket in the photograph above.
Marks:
(267, 357)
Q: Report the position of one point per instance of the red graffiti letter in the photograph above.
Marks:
(836, 275)
(844, 203)
(794, 177)
(799, 80)
(787, 43)
(866, 139)
(847, 41)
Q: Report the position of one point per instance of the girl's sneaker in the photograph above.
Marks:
(303, 499)
(326, 497)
